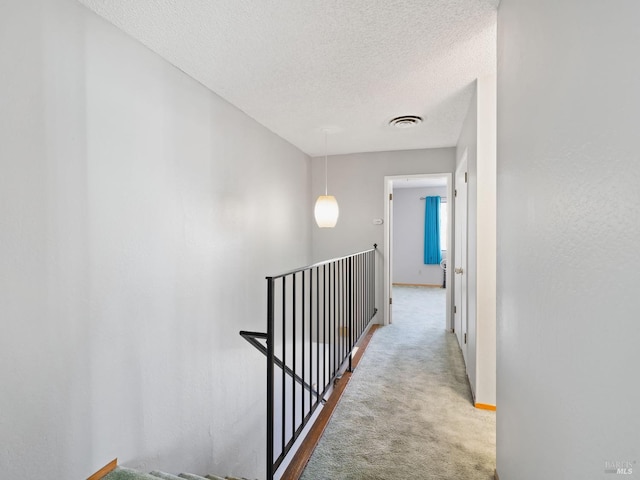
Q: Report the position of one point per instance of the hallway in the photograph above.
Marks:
(407, 412)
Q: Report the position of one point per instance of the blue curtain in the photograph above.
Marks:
(432, 252)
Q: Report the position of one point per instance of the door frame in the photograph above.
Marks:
(388, 240)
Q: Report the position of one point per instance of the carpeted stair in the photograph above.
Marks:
(122, 473)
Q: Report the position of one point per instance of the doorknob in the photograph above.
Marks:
(458, 270)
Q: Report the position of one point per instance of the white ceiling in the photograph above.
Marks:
(298, 66)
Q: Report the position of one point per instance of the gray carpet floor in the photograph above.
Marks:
(407, 412)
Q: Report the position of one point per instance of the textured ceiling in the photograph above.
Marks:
(298, 66)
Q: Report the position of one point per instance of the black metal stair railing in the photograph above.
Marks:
(315, 317)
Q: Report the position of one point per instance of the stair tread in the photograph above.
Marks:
(214, 477)
(191, 476)
(165, 476)
(122, 473)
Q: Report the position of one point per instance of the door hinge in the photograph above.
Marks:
(390, 300)
(455, 309)
(465, 338)
(455, 193)
(390, 196)
(465, 177)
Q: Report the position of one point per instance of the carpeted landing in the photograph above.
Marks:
(407, 412)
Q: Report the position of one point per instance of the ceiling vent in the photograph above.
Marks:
(405, 121)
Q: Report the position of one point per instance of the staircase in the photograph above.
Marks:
(121, 473)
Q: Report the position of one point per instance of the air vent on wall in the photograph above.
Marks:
(405, 121)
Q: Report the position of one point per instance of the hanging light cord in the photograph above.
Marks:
(326, 177)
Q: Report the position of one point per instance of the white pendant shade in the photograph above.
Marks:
(326, 211)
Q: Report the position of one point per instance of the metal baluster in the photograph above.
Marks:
(350, 312)
(293, 384)
(324, 328)
(283, 402)
(334, 367)
(304, 380)
(317, 333)
(310, 336)
(270, 377)
(342, 322)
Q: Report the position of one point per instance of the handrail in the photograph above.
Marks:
(315, 317)
(319, 264)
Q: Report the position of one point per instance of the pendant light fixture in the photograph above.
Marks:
(326, 210)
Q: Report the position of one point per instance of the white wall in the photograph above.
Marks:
(357, 181)
(408, 237)
(139, 214)
(486, 249)
(478, 139)
(568, 229)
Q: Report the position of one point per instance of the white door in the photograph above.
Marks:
(460, 255)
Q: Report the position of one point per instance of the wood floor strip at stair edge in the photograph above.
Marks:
(108, 468)
(302, 456)
(364, 343)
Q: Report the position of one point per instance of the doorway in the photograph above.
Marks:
(426, 274)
